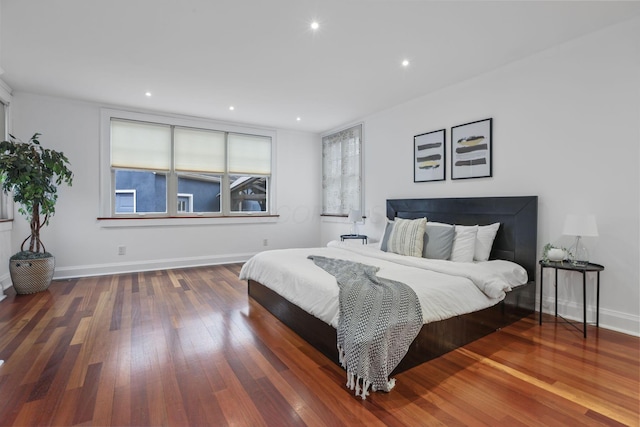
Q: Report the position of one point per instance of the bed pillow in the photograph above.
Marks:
(484, 241)
(385, 235)
(464, 243)
(438, 240)
(407, 237)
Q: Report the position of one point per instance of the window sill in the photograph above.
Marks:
(342, 219)
(6, 224)
(184, 221)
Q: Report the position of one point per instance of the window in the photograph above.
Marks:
(185, 202)
(126, 201)
(249, 166)
(341, 171)
(165, 169)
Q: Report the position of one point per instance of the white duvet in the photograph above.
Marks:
(445, 288)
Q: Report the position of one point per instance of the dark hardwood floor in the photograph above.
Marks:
(186, 347)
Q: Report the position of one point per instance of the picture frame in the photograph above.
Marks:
(429, 156)
(471, 150)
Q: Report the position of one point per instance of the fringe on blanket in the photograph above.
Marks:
(360, 385)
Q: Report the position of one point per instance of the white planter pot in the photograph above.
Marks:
(556, 254)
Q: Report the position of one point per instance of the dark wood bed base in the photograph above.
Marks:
(516, 241)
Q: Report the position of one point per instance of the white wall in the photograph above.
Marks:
(565, 128)
(82, 244)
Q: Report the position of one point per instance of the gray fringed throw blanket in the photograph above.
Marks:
(379, 319)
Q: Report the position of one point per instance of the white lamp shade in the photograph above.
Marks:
(580, 225)
(355, 215)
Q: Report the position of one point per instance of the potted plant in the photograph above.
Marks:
(33, 174)
(553, 253)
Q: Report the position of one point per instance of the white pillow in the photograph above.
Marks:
(484, 241)
(407, 237)
(464, 243)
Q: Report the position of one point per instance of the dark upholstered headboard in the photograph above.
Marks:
(518, 217)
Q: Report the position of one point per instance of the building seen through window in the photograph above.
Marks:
(140, 191)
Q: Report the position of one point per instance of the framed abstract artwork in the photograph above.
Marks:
(429, 156)
(471, 147)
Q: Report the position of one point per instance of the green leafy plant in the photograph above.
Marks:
(33, 174)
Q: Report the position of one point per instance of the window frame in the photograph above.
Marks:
(107, 176)
(6, 200)
(360, 163)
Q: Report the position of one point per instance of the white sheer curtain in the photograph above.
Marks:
(341, 171)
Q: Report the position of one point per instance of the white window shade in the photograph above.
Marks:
(199, 150)
(249, 154)
(138, 145)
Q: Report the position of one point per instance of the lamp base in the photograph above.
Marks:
(578, 254)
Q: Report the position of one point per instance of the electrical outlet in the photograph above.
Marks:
(265, 242)
(122, 250)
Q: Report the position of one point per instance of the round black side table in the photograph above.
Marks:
(580, 268)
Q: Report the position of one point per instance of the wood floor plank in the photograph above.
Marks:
(107, 354)
(39, 356)
(236, 413)
(19, 331)
(28, 414)
(67, 408)
(236, 397)
(121, 413)
(438, 406)
(14, 402)
(187, 347)
(88, 394)
(55, 390)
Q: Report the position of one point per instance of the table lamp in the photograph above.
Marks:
(579, 226)
(354, 216)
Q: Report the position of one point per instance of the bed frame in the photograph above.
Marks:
(515, 241)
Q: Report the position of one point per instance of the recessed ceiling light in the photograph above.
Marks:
(298, 118)
(315, 25)
(231, 107)
(147, 94)
(405, 63)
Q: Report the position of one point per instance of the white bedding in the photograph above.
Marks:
(445, 288)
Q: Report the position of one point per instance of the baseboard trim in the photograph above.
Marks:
(147, 265)
(609, 319)
(5, 282)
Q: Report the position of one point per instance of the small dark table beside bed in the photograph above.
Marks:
(516, 241)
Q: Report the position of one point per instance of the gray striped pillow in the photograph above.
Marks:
(407, 237)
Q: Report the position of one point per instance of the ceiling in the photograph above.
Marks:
(199, 57)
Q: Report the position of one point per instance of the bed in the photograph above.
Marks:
(515, 241)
